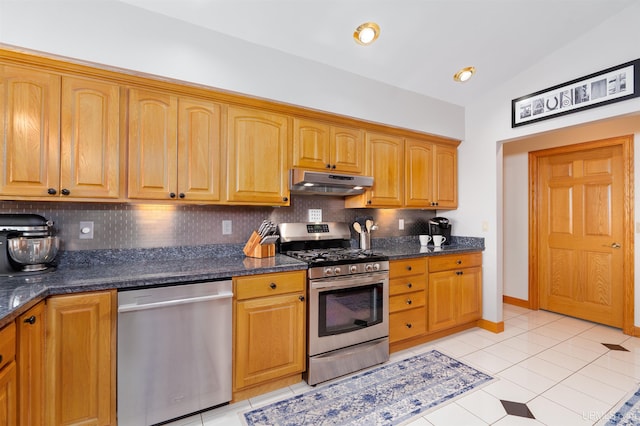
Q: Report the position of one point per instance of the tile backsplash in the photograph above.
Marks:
(165, 225)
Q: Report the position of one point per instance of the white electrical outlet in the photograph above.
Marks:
(86, 231)
(401, 224)
(227, 228)
(315, 215)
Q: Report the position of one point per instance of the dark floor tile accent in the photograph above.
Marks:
(517, 409)
(616, 347)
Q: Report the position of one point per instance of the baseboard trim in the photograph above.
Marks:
(495, 327)
(516, 302)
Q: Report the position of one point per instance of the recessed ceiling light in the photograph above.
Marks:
(464, 74)
(366, 33)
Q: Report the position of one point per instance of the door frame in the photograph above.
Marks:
(626, 142)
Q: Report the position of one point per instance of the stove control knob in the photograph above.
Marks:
(328, 272)
(368, 267)
(336, 271)
(353, 269)
(376, 266)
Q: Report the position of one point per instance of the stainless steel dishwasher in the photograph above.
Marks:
(174, 351)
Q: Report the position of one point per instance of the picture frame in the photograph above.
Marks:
(614, 84)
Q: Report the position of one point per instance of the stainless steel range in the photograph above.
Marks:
(348, 299)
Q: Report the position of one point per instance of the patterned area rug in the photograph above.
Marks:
(387, 395)
(628, 413)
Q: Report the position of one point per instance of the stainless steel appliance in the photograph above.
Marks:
(348, 299)
(440, 226)
(327, 183)
(27, 244)
(174, 351)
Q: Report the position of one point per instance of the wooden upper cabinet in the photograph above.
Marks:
(90, 145)
(257, 167)
(174, 147)
(30, 120)
(446, 177)
(431, 175)
(62, 136)
(385, 162)
(321, 146)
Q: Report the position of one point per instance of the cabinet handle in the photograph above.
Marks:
(459, 272)
(172, 195)
(368, 201)
(409, 285)
(30, 320)
(181, 195)
(328, 166)
(0, 358)
(273, 286)
(285, 199)
(65, 191)
(408, 325)
(409, 301)
(52, 191)
(408, 268)
(459, 262)
(333, 166)
(301, 298)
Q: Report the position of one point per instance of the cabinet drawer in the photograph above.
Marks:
(405, 267)
(405, 324)
(7, 344)
(454, 261)
(407, 284)
(252, 286)
(402, 302)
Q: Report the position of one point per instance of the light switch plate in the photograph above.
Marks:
(227, 227)
(315, 215)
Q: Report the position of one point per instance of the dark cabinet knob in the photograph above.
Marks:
(0, 358)
(333, 167)
(409, 285)
(408, 325)
(368, 201)
(273, 286)
(459, 262)
(301, 298)
(30, 320)
(52, 191)
(181, 195)
(328, 166)
(459, 272)
(409, 301)
(65, 191)
(408, 268)
(172, 194)
(285, 199)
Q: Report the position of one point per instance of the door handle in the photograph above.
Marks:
(615, 245)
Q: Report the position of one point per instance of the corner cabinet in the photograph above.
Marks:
(257, 157)
(455, 290)
(30, 357)
(269, 332)
(174, 147)
(62, 136)
(8, 377)
(327, 147)
(80, 345)
(407, 299)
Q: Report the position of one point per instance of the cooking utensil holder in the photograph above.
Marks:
(253, 248)
(365, 241)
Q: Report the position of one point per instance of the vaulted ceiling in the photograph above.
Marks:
(422, 42)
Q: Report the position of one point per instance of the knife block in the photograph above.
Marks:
(253, 248)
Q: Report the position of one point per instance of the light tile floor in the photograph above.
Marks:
(557, 365)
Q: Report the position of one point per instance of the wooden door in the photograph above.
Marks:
(347, 149)
(80, 359)
(153, 145)
(30, 356)
(311, 147)
(418, 179)
(90, 139)
(442, 300)
(445, 178)
(30, 123)
(386, 165)
(269, 339)
(199, 150)
(580, 230)
(257, 163)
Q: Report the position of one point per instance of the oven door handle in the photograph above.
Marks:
(349, 281)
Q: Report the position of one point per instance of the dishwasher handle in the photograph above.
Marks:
(174, 302)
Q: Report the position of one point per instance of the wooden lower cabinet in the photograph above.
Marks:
(407, 299)
(269, 331)
(30, 358)
(8, 377)
(80, 345)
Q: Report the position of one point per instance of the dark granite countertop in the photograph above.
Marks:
(118, 269)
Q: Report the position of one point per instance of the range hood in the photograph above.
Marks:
(327, 183)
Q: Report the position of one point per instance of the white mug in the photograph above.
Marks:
(438, 240)
(424, 239)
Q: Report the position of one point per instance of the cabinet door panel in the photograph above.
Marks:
(257, 157)
(418, 174)
(90, 138)
(8, 395)
(311, 147)
(269, 339)
(80, 379)
(30, 356)
(199, 150)
(30, 145)
(152, 144)
(446, 177)
(442, 300)
(347, 149)
(470, 295)
(386, 166)
(406, 324)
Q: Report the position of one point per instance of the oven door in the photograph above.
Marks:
(345, 311)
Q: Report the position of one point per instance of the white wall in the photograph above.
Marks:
(120, 35)
(488, 126)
